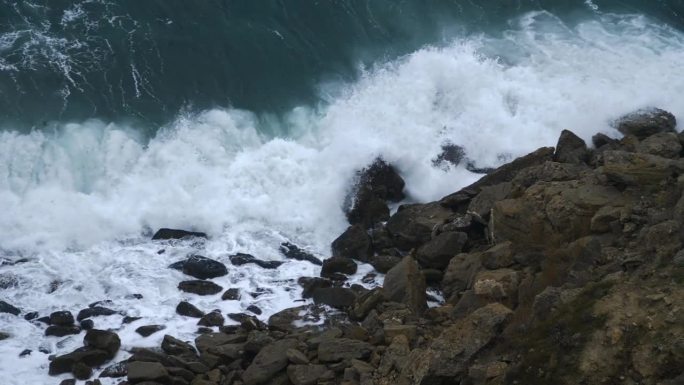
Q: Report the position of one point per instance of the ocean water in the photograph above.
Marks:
(247, 120)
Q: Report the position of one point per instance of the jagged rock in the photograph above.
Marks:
(498, 256)
(365, 303)
(292, 251)
(201, 267)
(148, 330)
(256, 340)
(200, 287)
(213, 318)
(232, 294)
(120, 369)
(62, 318)
(412, 225)
(70, 381)
(601, 221)
(240, 259)
(545, 172)
(207, 341)
(139, 371)
(451, 155)
(404, 283)
(270, 360)
(629, 168)
(61, 331)
(376, 184)
(448, 355)
(189, 310)
(383, 263)
(7, 308)
(570, 149)
(395, 356)
(337, 297)
(89, 356)
(460, 273)
(599, 140)
(367, 209)
(646, 122)
(665, 144)
(338, 349)
(496, 284)
(94, 311)
(409, 332)
(164, 234)
(354, 243)
(307, 374)
(296, 357)
(483, 202)
(310, 284)
(437, 252)
(334, 265)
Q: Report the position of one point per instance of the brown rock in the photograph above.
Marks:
(404, 283)
(437, 252)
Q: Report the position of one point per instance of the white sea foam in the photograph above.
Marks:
(78, 203)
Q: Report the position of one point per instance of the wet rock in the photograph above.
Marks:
(164, 234)
(296, 357)
(367, 209)
(4, 336)
(95, 311)
(483, 202)
(383, 263)
(545, 172)
(69, 381)
(284, 320)
(128, 319)
(31, 315)
(81, 371)
(139, 371)
(201, 267)
(354, 243)
(240, 259)
(437, 252)
(412, 225)
(337, 297)
(87, 324)
(307, 374)
(232, 294)
(336, 265)
(376, 184)
(61, 331)
(254, 309)
(451, 155)
(365, 303)
(646, 122)
(268, 362)
(7, 308)
(293, 251)
(570, 149)
(189, 310)
(120, 369)
(102, 340)
(174, 346)
(148, 330)
(89, 356)
(213, 318)
(665, 144)
(338, 349)
(24, 353)
(405, 284)
(310, 284)
(200, 287)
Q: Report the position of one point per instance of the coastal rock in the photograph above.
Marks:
(61, 331)
(103, 340)
(496, 284)
(367, 209)
(270, 360)
(460, 273)
(148, 330)
(240, 259)
(375, 185)
(200, 267)
(213, 318)
(646, 122)
(629, 168)
(200, 287)
(483, 202)
(86, 355)
(120, 369)
(412, 225)
(498, 256)
(139, 371)
(337, 297)
(353, 243)
(338, 349)
(383, 263)
(187, 309)
(174, 346)
(310, 284)
(293, 251)
(308, 374)
(437, 252)
(62, 318)
(95, 311)
(165, 234)
(664, 144)
(404, 283)
(570, 149)
(334, 265)
(451, 155)
(232, 294)
(8, 308)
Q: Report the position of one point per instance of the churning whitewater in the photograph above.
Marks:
(80, 202)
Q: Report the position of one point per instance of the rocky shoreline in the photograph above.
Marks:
(564, 266)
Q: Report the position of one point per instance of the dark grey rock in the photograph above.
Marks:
(200, 267)
(148, 330)
(268, 362)
(232, 294)
(404, 283)
(95, 311)
(646, 122)
(337, 297)
(310, 284)
(7, 308)
(62, 318)
(103, 340)
(139, 371)
(120, 369)
(165, 234)
(200, 287)
(383, 263)
(189, 310)
(213, 318)
(338, 349)
(293, 251)
(61, 331)
(240, 259)
(570, 149)
(338, 265)
(439, 250)
(354, 243)
(87, 324)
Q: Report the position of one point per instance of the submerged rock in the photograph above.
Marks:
(165, 234)
(94, 311)
(293, 251)
(240, 259)
(7, 308)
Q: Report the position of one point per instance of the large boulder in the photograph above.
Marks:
(353, 243)
(84, 355)
(629, 168)
(412, 225)
(103, 340)
(201, 267)
(665, 144)
(337, 265)
(404, 283)
(165, 234)
(375, 185)
(337, 297)
(438, 251)
(62, 318)
(139, 371)
(570, 149)
(460, 273)
(646, 122)
(446, 359)
(268, 362)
